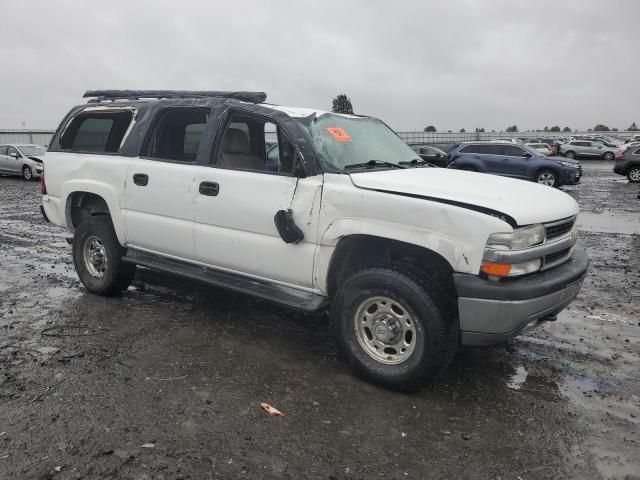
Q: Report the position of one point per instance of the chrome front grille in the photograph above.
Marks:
(559, 228)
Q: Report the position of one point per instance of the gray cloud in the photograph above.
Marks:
(413, 63)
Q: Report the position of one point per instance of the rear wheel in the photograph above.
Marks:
(391, 329)
(27, 174)
(547, 177)
(608, 156)
(97, 256)
(633, 174)
(570, 154)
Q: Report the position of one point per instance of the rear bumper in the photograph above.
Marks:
(490, 312)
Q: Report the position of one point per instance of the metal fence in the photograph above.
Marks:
(426, 138)
(42, 137)
(38, 137)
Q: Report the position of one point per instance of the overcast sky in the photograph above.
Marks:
(453, 64)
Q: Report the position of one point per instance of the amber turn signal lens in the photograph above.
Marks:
(496, 269)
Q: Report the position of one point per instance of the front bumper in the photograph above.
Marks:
(490, 312)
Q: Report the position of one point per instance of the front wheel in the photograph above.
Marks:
(633, 175)
(27, 174)
(570, 154)
(97, 256)
(608, 156)
(390, 328)
(547, 177)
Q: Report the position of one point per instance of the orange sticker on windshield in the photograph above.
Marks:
(339, 134)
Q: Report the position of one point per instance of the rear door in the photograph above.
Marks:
(492, 157)
(4, 160)
(160, 184)
(241, 192)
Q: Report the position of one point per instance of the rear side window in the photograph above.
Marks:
(512, 151)
(637, 152)
(176, 134)
(486, 149)
(3, 150)
(98, 131)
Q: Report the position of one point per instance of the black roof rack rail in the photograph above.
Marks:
(104, 95)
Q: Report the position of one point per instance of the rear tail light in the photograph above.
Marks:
(620, 155)
(43, 185)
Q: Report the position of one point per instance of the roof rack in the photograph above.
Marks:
(111, 95)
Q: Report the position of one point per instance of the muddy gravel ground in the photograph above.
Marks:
(166, 381)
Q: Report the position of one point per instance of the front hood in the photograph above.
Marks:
(36, 159)
(524, 201)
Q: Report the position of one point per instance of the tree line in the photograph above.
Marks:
(342, 104)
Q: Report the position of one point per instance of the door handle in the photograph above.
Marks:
(210, 189)
(141, 179)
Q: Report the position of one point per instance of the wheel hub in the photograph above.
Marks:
(94, 256)
(385, 330)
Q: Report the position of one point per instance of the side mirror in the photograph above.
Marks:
(14, 155)
(527, 155)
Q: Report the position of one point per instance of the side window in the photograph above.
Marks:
(96, 131)
(512, 151)
(490, 149)
(3, 150)
(176, 134)
(12, 151)
(470, 149)
(637, 152)
(251, 143)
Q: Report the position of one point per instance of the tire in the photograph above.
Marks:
(27, 174)
(633, 174)
(607, 156)
(412, 306)
(547, 177)
(570, 154)
(108, 274)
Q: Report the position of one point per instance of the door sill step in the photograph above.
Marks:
(289, 296)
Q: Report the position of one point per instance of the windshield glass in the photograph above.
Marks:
(32, 150)
(342, 141)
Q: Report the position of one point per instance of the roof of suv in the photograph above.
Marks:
(124, 97)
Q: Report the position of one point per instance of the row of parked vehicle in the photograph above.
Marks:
(537, 159)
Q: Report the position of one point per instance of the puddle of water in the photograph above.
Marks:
(518, 379)
(621, 222)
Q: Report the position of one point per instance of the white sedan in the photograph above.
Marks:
(543, 148)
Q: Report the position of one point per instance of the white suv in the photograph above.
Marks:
(412, 261)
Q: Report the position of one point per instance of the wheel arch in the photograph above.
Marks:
(358, 251)
(82, 202)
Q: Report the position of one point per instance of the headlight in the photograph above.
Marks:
(567, 164)
(520, 238)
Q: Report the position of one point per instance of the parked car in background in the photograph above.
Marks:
(628, 163)
(588, 148)
(23, 160)
(517, 161)
(433, 155)
(543, 148)
(509, 140)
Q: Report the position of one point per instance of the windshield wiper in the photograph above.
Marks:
(372, 164)
(417, 161)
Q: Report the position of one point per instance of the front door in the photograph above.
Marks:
(239, 195)
(514, 162)
(13, 160)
